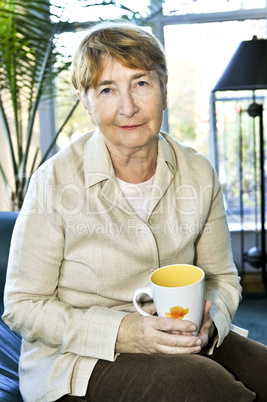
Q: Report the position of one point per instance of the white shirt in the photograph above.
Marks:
(138, 196)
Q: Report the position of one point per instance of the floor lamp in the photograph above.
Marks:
(247, 70)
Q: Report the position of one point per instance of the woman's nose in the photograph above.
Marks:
(127, 104)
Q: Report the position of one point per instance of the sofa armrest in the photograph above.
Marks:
(10, 344)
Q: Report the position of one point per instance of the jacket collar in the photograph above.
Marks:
(98, 168)
(97, 163)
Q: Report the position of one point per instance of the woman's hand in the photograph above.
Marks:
(207, 327)
(139, 334)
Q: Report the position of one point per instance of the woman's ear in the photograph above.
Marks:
(164, 94)
(86, 107)
(85, 103)
(165, 100)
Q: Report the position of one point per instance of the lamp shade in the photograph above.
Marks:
(247, 69)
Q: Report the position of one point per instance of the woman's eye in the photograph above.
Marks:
(142, 83)
(105, 91)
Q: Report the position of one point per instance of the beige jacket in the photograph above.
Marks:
(79, 251)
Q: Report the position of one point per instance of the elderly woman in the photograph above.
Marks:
(98, 218)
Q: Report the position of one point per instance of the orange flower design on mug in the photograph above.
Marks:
(177, 312)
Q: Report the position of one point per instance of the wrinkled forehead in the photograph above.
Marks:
(110, 66)
(107, 63)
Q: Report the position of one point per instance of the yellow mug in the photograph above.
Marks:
(178, 292)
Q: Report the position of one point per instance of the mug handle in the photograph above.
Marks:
(139, 291)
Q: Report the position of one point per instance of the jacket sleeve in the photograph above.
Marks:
(32, 306)
(214, 255)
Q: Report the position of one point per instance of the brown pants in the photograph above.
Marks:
(236, 372)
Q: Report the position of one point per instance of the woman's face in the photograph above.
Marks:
(127, 105)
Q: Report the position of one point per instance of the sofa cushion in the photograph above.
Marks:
(10, 342)
(7, 221)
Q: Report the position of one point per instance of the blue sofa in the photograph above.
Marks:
(9, 341)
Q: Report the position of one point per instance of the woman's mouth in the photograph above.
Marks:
(131, 127)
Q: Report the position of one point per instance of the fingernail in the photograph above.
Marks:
(193, 327)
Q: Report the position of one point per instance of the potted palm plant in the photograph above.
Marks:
(29, 61)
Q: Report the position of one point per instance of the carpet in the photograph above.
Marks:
(252, 315)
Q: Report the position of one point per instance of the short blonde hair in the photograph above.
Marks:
(129, 44)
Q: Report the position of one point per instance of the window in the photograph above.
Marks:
(238, 147)
(197, 54)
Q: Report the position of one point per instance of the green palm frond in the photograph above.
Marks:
(29, 62)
